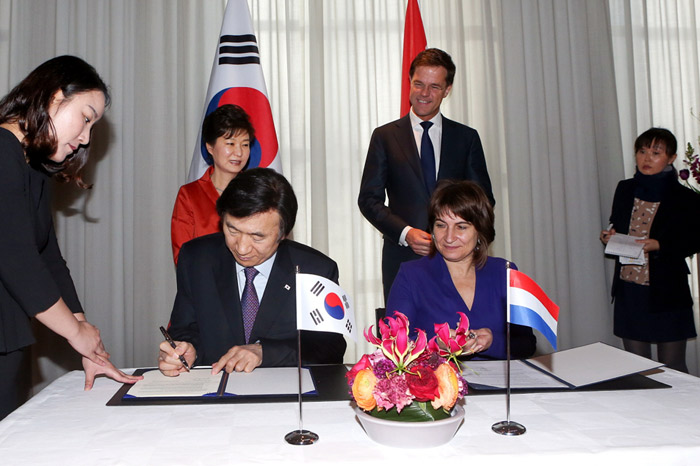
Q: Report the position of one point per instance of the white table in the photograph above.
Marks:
(64, 425)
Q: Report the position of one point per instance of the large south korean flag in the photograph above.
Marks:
(237, 78)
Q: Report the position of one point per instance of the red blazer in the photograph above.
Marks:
(194, 214)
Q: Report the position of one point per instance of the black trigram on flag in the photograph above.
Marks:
(316, 316)
(318, 288)
(348, 325)
(238, 50)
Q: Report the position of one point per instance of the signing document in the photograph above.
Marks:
(573, 368)
(200, 383)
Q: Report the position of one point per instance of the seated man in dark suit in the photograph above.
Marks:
(236, 294)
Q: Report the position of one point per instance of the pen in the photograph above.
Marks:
(607, 229)
(172, 343)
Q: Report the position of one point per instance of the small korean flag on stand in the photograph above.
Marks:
(323, 306)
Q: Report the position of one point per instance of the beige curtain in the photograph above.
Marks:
(536, 78)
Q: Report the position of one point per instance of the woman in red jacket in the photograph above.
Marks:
(228, 135)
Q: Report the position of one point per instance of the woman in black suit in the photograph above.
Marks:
(45, 124)
(653, 303)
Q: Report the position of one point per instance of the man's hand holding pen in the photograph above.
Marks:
(169, 361)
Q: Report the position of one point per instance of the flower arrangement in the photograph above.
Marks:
(420, 379)
(692, 161)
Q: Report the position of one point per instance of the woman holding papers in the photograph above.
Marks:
(652, 301)
(459, 276)
(228, 135)
(45, 124)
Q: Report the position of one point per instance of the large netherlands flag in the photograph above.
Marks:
(237, 78)
(414, 42)
(528, 305)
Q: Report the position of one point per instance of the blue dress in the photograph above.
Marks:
(424, 292)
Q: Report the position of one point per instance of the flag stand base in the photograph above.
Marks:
(301, 437)
(508, 428)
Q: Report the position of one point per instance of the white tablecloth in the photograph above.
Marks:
(64, 425)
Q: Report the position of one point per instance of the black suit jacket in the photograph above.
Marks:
(393, 170)
(207, 310)
(33, 274)
(675, 227)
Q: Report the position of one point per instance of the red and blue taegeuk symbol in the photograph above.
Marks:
(256, 105)
(334, 306)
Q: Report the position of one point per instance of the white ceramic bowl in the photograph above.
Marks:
(411, 434)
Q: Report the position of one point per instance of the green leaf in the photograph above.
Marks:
(415, 412)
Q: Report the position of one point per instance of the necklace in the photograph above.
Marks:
(218, 178)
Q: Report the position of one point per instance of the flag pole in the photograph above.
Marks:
(300, 436)
(508, 427)
(414, 41)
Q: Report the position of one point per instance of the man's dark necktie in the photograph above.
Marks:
(427, 157)
(249, 302)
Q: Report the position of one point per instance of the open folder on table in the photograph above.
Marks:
(323, 382)
(591, 367)
(199, 382)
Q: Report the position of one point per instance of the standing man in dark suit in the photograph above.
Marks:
(236, 291)
(408, 156)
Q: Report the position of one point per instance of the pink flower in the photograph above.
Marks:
(447, 346)
(395, 343)
(363, 363)
(392, 392)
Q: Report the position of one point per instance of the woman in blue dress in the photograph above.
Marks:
(459, 276)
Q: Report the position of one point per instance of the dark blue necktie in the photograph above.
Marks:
(249, 302)
(427, 157)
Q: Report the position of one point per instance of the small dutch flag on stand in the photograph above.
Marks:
(529, 306)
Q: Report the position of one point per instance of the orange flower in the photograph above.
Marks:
(363, 389)
(448, 387)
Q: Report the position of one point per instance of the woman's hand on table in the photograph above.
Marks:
(92, 370)
(88, 343)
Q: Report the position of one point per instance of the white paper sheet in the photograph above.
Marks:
(485, 375)
(269, 381)
(626, 246)
(197, 382)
